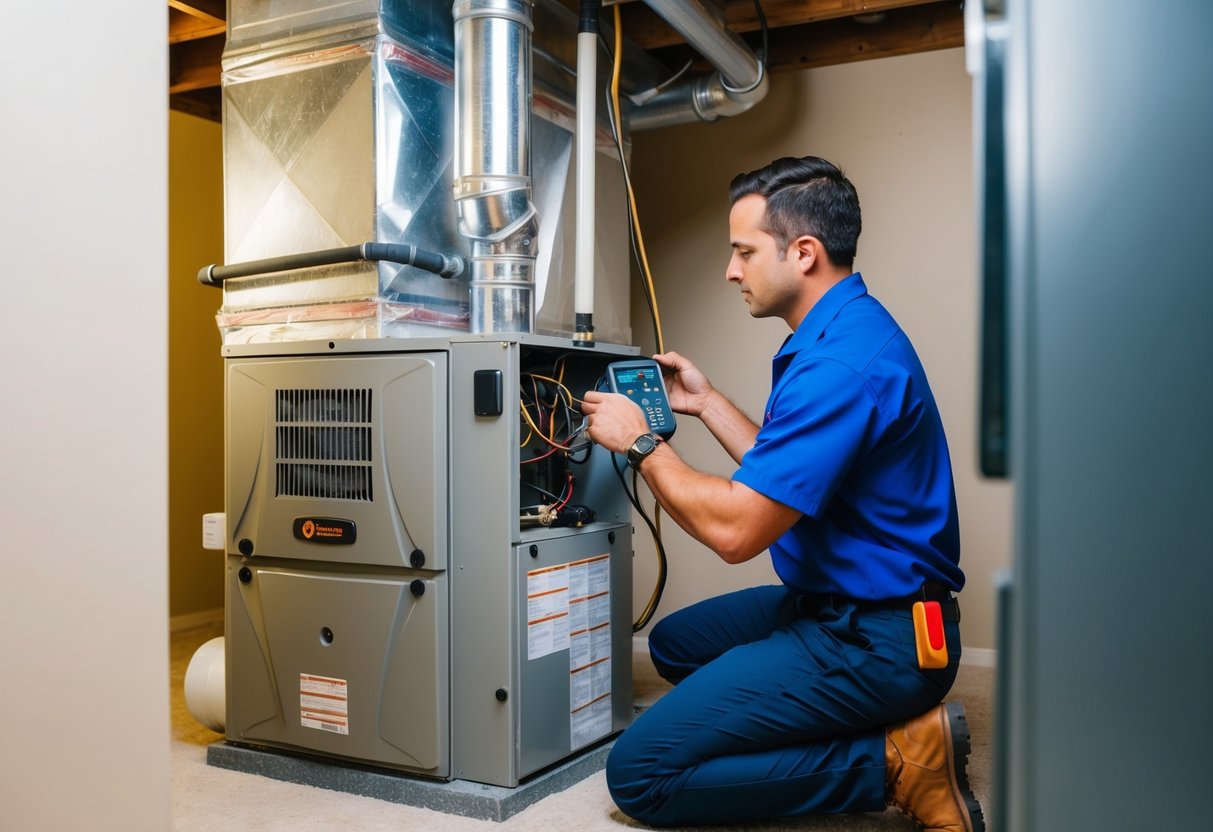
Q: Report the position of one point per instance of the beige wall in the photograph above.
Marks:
(83, 598)
(900, 128)
(195, 385)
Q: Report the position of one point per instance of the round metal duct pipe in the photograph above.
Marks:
(492, 164)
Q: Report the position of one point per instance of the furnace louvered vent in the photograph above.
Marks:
(323, 444)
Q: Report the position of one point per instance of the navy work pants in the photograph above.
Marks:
(779, 708)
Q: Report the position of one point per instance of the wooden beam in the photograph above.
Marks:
(194, 64)
(742, 16)
(202, 103)
(922, 28)
(642, 26)
(907, 31)
(203, 9)
(182, 26)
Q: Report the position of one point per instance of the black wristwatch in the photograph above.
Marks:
(644, 445)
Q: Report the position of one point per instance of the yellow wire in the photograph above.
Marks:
(538, 432)
(569, 397)
(618, 119)
(644, 259)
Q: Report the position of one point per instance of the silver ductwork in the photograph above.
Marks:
(445, 127)
(492, 163)
(339, 129)
(740, 80)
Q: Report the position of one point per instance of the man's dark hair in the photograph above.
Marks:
(806, 196)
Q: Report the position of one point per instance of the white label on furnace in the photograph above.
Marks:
(547, 611)
(589, 650)
(324, 703)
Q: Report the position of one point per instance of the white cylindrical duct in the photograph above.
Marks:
(205, 691)
(587, 128)
(492, 164)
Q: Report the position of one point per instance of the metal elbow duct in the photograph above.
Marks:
(492, 162)
(740, 80)
(705, 98)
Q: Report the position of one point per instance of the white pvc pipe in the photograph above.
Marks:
(205, 695)
(587, 125)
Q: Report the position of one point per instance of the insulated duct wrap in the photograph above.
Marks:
(492, 164)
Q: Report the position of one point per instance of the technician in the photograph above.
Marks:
(806, 697)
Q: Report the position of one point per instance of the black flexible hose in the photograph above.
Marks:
(409, 255)
(588, 20)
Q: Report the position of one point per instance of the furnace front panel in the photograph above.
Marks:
(391, 599)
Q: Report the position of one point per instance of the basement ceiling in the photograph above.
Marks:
(802, 34)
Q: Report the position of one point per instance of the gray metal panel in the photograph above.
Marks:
(545, 681)
(484, 519)
(406, 468)
(373, 633)
(436, 340)
(490, 742)
(1112, 204)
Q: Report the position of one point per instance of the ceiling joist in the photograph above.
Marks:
(801, 34)
(642, 26)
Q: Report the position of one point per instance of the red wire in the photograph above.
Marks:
(564, 499)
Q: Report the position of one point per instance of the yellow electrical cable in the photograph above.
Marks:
(569, 397)
(618, 119)
(616, 116)
(537, 432)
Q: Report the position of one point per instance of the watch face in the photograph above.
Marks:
(642, 447)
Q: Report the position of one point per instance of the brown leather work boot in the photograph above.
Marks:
(925, 758)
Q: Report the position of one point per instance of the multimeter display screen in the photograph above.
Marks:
(641, 382)
(641, 378)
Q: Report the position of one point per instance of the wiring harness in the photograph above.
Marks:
(552, 444)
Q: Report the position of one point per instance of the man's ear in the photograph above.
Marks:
(808, 252)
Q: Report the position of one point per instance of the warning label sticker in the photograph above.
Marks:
(547, 611)
(589, 650)
(324, 703)
(569, 608)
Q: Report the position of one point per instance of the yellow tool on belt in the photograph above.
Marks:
(928, 635)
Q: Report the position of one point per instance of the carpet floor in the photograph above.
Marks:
(210, 799)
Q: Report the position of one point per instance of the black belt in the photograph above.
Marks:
(949, 606)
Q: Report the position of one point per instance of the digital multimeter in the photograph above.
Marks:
(640, 380)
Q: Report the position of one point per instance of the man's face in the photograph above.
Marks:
(769, 281)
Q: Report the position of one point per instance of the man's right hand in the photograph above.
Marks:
(688, 388)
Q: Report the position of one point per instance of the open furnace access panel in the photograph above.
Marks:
(385, 603)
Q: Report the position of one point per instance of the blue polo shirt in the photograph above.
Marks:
(852, 439)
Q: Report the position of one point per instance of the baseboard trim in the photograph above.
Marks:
(971, 656)
(190, 620)
(979, 656)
